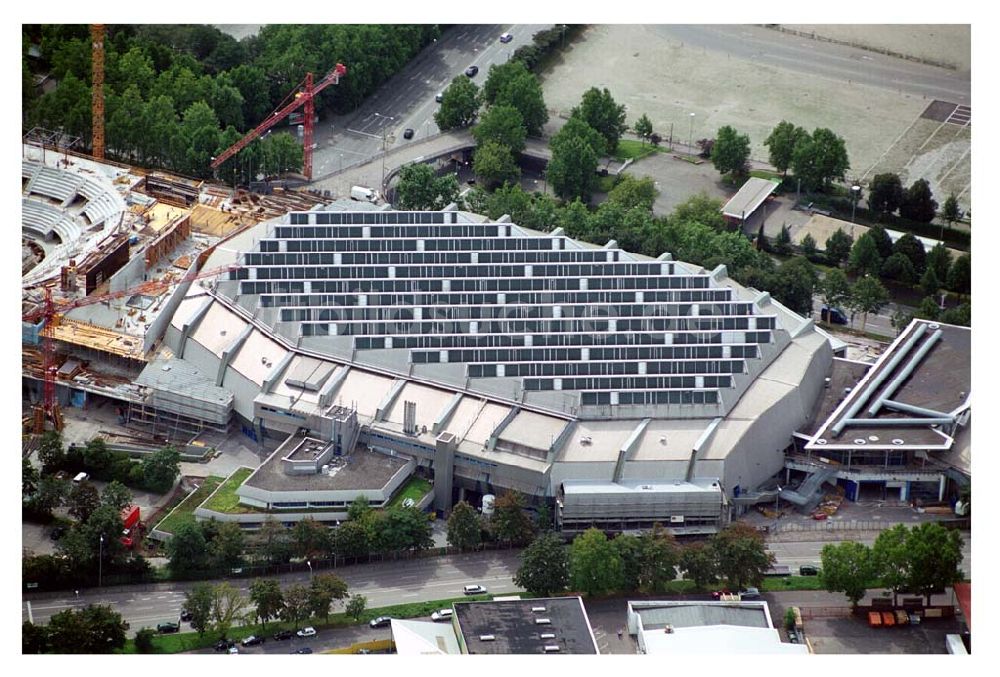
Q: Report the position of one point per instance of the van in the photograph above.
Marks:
(362, 194)
(832, 315)
(81, 478)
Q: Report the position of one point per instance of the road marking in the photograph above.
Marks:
(31, 619)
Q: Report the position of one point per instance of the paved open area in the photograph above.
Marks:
(752, 78)
(852, 635)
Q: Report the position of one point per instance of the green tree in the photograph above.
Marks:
(929, 282)
(838, 247)
(91, 630)
(819, 157)
(834, 289)
(939, 258)
(406, 529)
(918, 203)
(898, 267)
(296, 603)
(848, 567)
(51, 452)
(594, 563)
(495, 165)
(934, 554)
(868, 296)
(572, 169)
(267, 600)
(960, 275)
(199, 136)
(783, 243)
(960, 315)
(97, 456)
(631, 192)
(352, 539)
(511, 523)
(34, 638)
(658, 558)
(731, 151)
(283, 153)
(865, 259)
(808, 246)
(512, 84)
(228, 605)
(544, 566)
(885, 194)
(913, 249)
(629, 549)
(50, 495)
(459, 105)
(600, 110)
(699, 564)
(310, 538)
(928, 309)
(83, 500)
(356, 606)
(419, 188)
(700, 209)
(187, 550)
(198, 602)
(643, 128)
(274, 541)
(160, 469)
(781, 143)
(795, 282)
(29, 478)
(463, 527)
(144, 641)
(742, 555)
(323, 589)
(950, 211)
(226, 549)
(882, 241)
(116, 495)
(358, 508)
(502, 124)
(891, 559)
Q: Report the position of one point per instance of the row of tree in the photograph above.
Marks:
(177, 95)
(90, 630)
(886, 196)
(595, 564)
(920, 560)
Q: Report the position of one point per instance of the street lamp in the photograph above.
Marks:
(390, 119)
(691, 135)
(855, 194)
(309, 564)
(100, 563)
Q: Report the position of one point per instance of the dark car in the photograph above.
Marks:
(57, 533)
(224, 645)
(439, 97)
(832, 315)
(252, 640)
(380, 622)
(283, 634)
(167, 627)
(186, 616)
(471, 71)
(304, 649)
(407, 133)
(808, 570)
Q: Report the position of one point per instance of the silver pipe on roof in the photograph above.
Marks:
(896, 422)
(869, 390)
(905, 372)
(919, 411)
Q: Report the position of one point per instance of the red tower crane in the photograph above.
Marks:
(51, 311)
(304, 94)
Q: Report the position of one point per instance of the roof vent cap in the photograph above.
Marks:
(663, 439)
(860, 440)
(897, 441)
(551, 648)
(821, 441)
(487, 638)
(933, 325)
(536, 609)
(873, 438)
(548, 635)
(543, 621)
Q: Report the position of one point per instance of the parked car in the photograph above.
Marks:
(442, 615)
(474, 589)
(408, 503)
(304, 649)
(439, 97)
(224, 644)
(307, 632)
(252, 640)
(380, 622)
(57, 533)
(750, 593)
(471, 71)
(506, 37)
(283, 634)
(407, 133)
(232, 650)
(832, 315)
(364, 652)
(186, 616)
(166, 628)
(808, 570)
(717, 594)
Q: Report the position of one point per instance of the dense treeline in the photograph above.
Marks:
(176, 95)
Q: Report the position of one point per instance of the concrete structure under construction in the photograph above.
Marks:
(494, 357)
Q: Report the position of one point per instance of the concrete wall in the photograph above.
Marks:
(159, 325)
(244, 391)
(129, 275)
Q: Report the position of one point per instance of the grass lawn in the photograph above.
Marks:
(636, 150)
(184, 512)
(225, 498)
(415, 488)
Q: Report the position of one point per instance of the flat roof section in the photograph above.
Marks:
(364, 391)
(514, 629)
(430, 403)
(843, 374)
(533, 431)
(596, 441)
(258, 357)
(669, 440)
(361, 470)
(218, 329)
(749, 197)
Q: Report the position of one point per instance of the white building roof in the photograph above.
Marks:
(419, 638)
(749, 197)
(258, 356)
(714, 640)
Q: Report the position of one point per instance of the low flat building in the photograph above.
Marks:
(530, 626)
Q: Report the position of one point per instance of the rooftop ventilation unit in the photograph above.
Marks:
(548, 635)
(873, 438)
(821, 441)
(536, 609)
(543, 621)
(487, 638)
(897, 441)
(669, 629)
(663, 439)
(585, 440)
(860, 440)
(551, 648)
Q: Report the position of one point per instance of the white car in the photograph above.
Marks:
(506, 37)
(442, 615)
(474, 589)
(306, 632)
(232, 650)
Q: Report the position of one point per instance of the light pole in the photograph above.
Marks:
(855, 193)
(691, 135)
(100, 563)
(309, 564)
(390, 119)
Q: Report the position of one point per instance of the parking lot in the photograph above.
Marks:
(852, 635)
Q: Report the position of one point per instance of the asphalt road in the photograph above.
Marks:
(878, 323)
(407, 99)
(825, 59)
